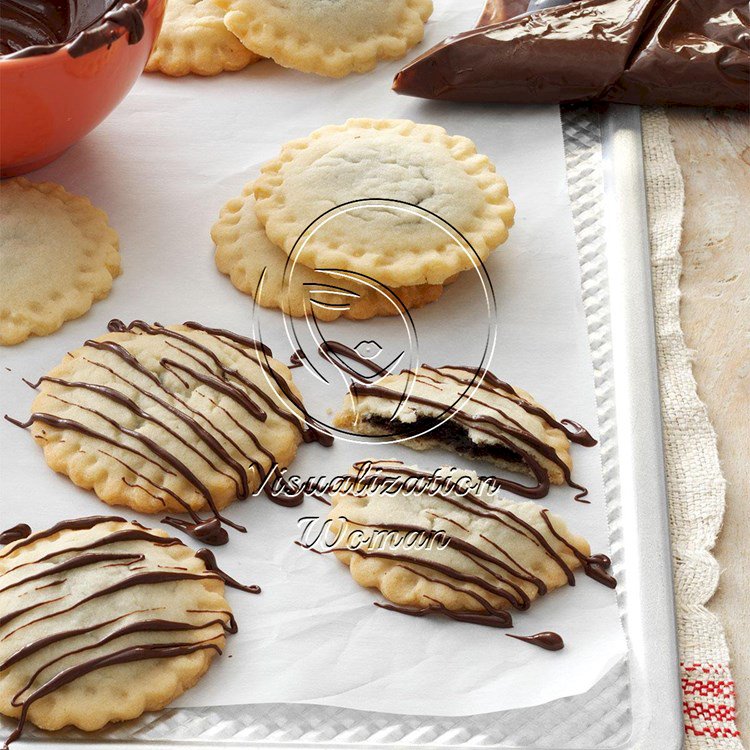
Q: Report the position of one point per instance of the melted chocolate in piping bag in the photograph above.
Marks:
(692, 52)
(704, 49)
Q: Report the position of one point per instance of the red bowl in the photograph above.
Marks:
(50, 101)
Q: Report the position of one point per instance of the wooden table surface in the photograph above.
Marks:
(713, 150)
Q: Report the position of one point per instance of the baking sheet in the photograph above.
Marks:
(161, 166)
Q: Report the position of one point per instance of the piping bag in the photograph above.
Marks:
(692, 52)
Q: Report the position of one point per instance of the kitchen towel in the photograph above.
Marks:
(694, 481)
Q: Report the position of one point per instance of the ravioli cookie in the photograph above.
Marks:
(178, 418)
(257, 267)
(102, 619)
(194, 39)
(328, 38)
(58, 255)
(394, 160)
(472, 413)
(442, 542)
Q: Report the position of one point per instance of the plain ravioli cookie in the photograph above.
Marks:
(102, 619)
(328, 37)
(257, 267)
(194, 39)
(391, 160)
(58, 255)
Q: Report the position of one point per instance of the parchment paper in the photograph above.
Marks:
(162, 166)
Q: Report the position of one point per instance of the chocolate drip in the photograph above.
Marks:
(237, 338)
(505, 573)
(69, 424)
(13, 534)
(547, 640)
(296, 360)
(209, 560)
(29, 29)
(498, 619)
(524, 443)
(208, 370)
(595, 566)
(282, 493)
(240, 344)
(82, 561)
(209, 532)
(517, 596)
(76, 524)
(313, 434)
(309, 549)
(140, 579)
(141, 534)
(86, 558)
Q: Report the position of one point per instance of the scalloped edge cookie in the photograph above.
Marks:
(256, 267)
(82, 558)
(194, 39)
(32, 221)
(200, 434)
(292, 41)
(454, 550)
(406, 262)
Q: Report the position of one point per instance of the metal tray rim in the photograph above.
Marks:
(651, 628)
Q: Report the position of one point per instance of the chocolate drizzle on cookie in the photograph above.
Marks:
(509, 439)
(205, 440)
(595, 566)
(494, 619)
(128, 569)
(502, 577)
(337, 354)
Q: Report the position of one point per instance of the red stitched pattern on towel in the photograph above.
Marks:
(708, 705)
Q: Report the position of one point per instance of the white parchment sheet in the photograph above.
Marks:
(162, 166)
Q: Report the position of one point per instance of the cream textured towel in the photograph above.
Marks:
(694, 479)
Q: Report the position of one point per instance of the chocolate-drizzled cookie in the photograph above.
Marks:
(472, 413)
(171, 418)
(102, 619)
(443, 543)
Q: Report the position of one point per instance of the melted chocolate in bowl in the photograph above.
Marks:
(39, 27)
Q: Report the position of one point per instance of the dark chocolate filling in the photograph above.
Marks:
(453, 435)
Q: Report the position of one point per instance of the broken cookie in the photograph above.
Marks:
(470, 412)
